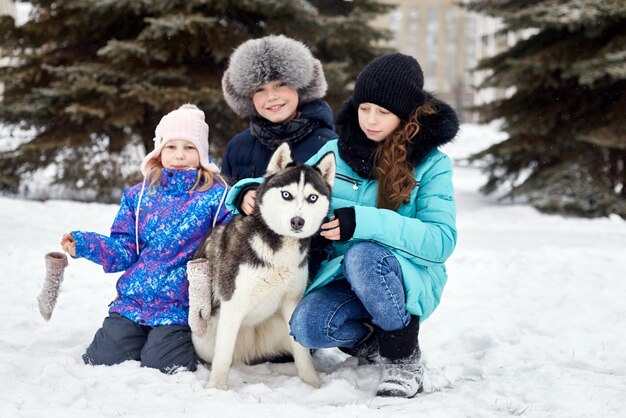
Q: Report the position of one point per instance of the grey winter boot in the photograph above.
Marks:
(199, 295)
(47, 299)
(400, 356)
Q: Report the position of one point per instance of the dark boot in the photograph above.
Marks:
(400, 355)
(367, 350)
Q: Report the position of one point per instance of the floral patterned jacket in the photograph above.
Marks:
(153, 290)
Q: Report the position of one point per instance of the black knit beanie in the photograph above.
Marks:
(393, 81)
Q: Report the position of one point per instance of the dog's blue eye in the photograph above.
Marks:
(312, 198)
(286, 195)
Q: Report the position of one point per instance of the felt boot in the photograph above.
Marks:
(400, 355)
(47, 299)
(199, 295)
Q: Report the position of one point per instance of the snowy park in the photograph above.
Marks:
(530, 324)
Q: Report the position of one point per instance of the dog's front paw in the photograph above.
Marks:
(215, 385)
(312, 380)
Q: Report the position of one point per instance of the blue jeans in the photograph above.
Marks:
(336, 315)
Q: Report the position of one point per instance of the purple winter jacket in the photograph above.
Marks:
(153, 290)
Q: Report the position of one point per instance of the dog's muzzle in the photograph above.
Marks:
(297, 223)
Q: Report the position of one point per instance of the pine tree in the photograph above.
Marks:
(94, 77)
(566, 151)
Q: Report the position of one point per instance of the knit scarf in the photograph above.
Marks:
(272, 135)
(357, 150)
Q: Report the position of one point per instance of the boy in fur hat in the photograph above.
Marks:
(160, 224)
(277, 83)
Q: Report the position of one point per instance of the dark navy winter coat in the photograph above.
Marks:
(153, 290)
(246, 157)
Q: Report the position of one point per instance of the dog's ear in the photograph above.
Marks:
(280, 159)
(327, 166)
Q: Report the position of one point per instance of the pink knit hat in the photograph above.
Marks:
(186, 123)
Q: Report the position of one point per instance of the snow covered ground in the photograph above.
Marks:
(530, 324)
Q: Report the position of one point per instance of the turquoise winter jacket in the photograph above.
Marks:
(421, 233)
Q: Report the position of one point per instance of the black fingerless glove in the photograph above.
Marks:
(347, 222)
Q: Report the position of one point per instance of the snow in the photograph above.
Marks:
(23, 11)
(530, 324)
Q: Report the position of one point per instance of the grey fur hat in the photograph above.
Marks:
(275, 57)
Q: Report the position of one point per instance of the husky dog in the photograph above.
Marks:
(249, 274)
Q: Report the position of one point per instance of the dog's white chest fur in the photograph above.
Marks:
(262, 289)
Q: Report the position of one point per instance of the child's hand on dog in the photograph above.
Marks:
(247, 204)
(68, 244)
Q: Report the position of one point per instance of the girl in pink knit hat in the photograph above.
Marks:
(160, 224)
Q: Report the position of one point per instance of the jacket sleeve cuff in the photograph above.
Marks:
(79, 243)
(347, 222)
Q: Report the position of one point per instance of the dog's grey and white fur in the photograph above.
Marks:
(271, 58)
(248, 276)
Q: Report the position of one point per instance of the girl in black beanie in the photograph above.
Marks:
(394, 225)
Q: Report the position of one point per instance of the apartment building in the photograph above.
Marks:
(448, 41)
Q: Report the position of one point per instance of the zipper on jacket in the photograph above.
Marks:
(355, 183)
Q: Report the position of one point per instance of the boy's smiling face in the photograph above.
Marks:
(276, 101)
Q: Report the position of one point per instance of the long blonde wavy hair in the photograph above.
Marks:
(394, 172)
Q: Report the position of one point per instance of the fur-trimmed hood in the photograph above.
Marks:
(356, 149)
(274, 57)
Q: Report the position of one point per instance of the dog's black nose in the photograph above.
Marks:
(297, 223)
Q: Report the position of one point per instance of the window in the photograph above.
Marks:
(432, 26)
(413, 33)
(395, 25)
(450, 80)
